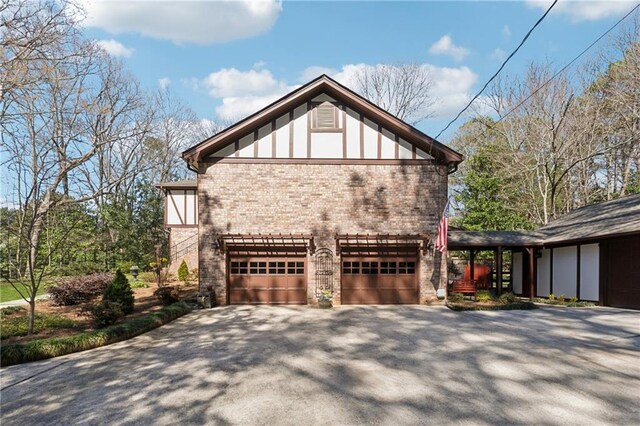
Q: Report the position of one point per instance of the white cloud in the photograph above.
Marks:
(115, 48)
(243, 92)
(164, 83)
(498, 54)
(585, 10)
(200, 22)
(506, 31)
(445, 46)
(450, 87)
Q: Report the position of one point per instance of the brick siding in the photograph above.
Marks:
(323, 200)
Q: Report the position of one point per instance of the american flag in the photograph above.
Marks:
(441, 241)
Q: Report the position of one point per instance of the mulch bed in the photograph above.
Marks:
(490, 306)
(145, 302)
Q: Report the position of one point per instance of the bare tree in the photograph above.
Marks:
(64, 126)
(404, 89)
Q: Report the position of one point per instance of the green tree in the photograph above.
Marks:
(183, 272)
(119, 291)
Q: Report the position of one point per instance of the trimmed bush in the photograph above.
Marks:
(48, 348)
(119, 291)
(508, 298)
(183, 272)
(506, 307)
(76, 290)
(167, 295)
(105, 313)
(483, 296)
(456, 297)
(18, 325)
(148, 277)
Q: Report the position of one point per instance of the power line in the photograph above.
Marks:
(492, 126)
(499, 69)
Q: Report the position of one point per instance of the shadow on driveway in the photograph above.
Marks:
(349, 365)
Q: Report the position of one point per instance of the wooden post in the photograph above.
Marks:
(499, 269)
(531, 253)
(472, 256)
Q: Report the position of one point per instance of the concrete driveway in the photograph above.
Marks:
(350, 365)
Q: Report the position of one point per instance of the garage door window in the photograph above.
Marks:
(276, 268)
(350, 267)
(295, 268)
(239, 267)
(257, 268)
(406, 267)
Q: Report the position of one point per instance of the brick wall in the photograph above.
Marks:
(323, 200)
(176, 235)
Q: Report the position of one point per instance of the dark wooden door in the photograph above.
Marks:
(619, 272)
(267, 280)
(379, 280)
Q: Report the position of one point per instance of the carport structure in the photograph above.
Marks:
(498, 242)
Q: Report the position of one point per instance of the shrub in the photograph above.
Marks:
(552, 298)
(167, 295)
(483, 296)
(574, 299)
(17, 325)
(508, 298)
(148, 277)
(76, 290)
(183, 272)
(456, 297)
(119, 291)
(105, 313)
(561, 299)
(8, 310)
(35, 350)
(139, 284)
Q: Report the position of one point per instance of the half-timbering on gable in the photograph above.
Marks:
(321, 190)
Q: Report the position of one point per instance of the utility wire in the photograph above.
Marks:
(499, 69)
(492, 126)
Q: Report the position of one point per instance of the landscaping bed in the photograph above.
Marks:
(490, 306)
(61, 321)
(35, 350)
(485, 301)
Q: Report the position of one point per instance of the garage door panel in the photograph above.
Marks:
(267, 280)
(379, 280)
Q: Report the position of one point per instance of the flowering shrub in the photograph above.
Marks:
(76, 290)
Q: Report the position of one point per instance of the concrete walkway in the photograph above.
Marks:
(349, 365)
(22, 302)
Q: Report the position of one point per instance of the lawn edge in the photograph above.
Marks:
(36, 350)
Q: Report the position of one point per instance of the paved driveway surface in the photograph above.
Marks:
(355, 365)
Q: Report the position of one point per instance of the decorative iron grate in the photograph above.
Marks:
(324, 271)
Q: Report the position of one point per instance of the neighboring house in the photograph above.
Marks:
(321, 190)
(591, 253)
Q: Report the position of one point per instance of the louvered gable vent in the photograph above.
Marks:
(326, 116)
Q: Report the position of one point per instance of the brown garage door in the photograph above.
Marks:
(267, 280)
(379, 280)
(620, 274)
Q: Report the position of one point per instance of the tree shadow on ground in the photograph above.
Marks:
(410, 364)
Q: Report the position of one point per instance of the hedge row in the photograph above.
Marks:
(506, 307)
(35, 350)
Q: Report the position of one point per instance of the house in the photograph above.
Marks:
(319, 191)
(589, 253)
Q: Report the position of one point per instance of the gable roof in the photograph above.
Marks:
(615, 217)
(327, 85)
(608, 219)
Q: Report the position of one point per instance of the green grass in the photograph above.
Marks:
(8, 293)
(16, 325)
(35, 350)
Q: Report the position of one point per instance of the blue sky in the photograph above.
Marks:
(227, 59)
